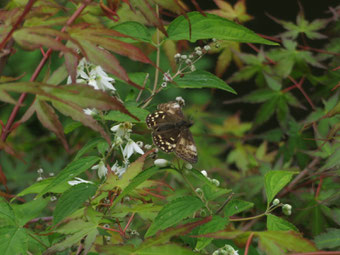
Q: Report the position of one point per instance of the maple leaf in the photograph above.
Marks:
(302, 26)
(227, 52)
(237, 12)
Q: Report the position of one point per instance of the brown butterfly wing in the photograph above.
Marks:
(185, 147)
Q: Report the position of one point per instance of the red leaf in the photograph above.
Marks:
(148, 12)
(50, 120)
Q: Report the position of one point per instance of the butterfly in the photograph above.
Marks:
(170, 131)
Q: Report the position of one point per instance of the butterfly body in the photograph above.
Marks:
(171, 131)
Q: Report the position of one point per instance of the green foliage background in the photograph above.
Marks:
(266, 125)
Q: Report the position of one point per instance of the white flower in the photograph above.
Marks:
(122, 130)
(161, 162)
(167, 77)
(184, 57)
(204, 173)
(53, 198)
(90, 112)
(40, 171)
(119, 170)
(77, 181)
(207, 47)
(103, 81)
(93, 75)
(102, 170)
(39, 179)
(226, 250)
(199, 53)
(130, 148)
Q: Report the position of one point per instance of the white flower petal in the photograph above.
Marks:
(137, 148)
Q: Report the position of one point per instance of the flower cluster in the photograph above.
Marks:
(226, 250)
(191, 59)
(122, 142)
(94, 76)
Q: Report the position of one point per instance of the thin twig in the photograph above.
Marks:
(299, 177)
(144, 84)
(129, 222)
(224, 204)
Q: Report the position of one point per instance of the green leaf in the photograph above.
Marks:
(275, 223)
(148, 244)
(7, 216)
(136, 181)
(133, 29)
(211, 26)
(5, 97)
(78, 230)
(13, 240)
(41, 185)
(89, 146)
(274, 181)
(328, 240)
(30, 210)
(72, 199)
(259, 96)
(236, 206)
(266, 111)
(122, 117)
(72, 170)
(217, 223)
(167, 249)
(279, 242)
(173, 212)
(332, 161)
(202, 79)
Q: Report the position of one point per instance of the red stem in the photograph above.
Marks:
(15, 26)
(7, 129)
(129, 222)
(248, 243)
(111, 229)
(319, 188)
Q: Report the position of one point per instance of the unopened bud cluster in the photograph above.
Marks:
(189, 60)
(213, 181)
(286, 208)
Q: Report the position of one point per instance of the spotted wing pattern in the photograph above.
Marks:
(171, 132)
(185, 146)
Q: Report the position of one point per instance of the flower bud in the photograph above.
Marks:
(276, 201)
(161, 162)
